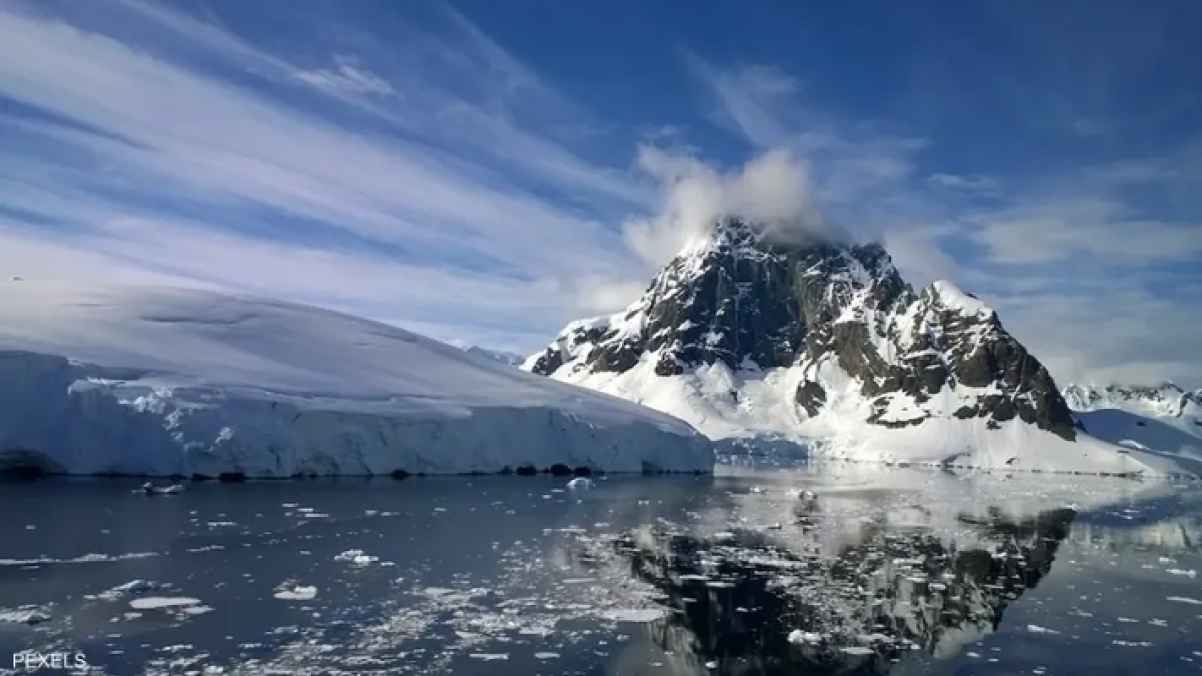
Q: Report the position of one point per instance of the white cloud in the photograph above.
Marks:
(771, 189)
(1060, 228)
(602, 295)
(134, 250)
(919, 256)
(346, 77)
(1114, 331)
(749, 99)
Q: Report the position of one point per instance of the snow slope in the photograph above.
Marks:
(170, 381)
(1164, 417)
(757, 403)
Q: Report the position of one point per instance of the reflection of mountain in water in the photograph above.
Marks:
(755, 607)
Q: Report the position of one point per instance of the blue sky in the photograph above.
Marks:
(483, 172)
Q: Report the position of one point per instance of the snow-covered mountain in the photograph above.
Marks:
(170, 381)
(508, 358)
(1166, 400)
(1164, 417)
(745, 336)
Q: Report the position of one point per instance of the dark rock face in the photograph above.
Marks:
(751, 303)
(739, 299)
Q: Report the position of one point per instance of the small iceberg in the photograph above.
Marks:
(289, 591)
(156, 602)
(149, 488)
(27, 614)
(357, 557)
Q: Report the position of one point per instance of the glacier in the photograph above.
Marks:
(165, 381)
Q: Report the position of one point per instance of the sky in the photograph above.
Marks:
(483, 172)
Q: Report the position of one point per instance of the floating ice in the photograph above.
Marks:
(289, 592)
(632, 614)
(86, 558)
(27, 614)
(357, 557)
(798, 637)
(150, 489)
(1184, 599)
(131, 587)
(152, 602)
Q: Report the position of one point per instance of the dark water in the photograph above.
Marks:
(878, 570)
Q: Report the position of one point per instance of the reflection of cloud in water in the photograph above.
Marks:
(753, 606)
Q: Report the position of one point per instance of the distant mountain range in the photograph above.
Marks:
(508, 358)
(1163, 400)
(824, 344)
(1164, 417)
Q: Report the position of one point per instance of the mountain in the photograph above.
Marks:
(1163, 417)
(1166, 400)
(825, 344)
(508, 358)
(167, 381)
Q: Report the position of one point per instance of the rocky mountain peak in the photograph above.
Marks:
(741, 297)
(751, 300)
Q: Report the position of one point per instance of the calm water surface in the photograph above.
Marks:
(873, 570)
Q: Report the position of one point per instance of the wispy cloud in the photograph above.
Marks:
(452, 231)
(1113, 331)
(1064, 228)
(972, 183)
(346, 77)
